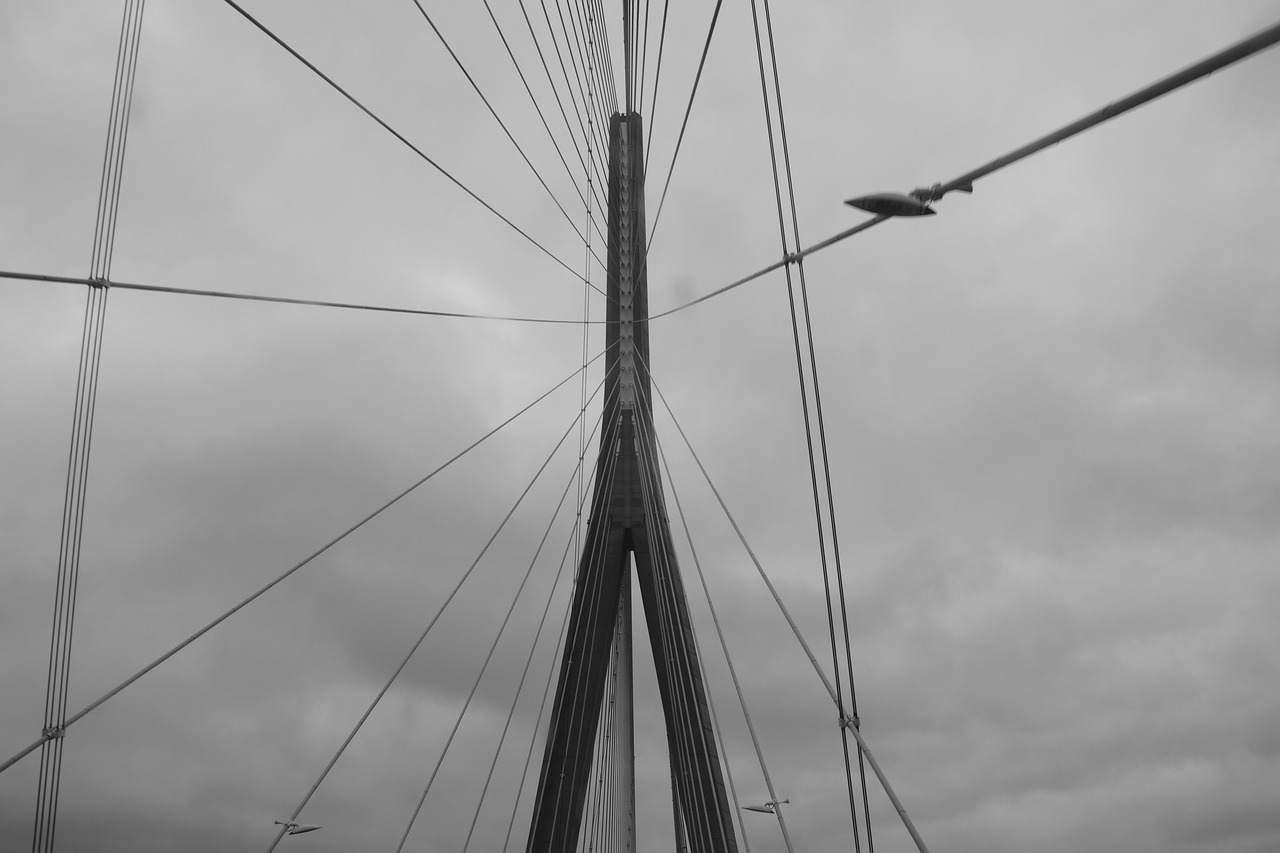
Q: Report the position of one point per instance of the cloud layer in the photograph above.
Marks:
(1050, 413)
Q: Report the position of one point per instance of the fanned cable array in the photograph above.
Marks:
(581, 797)
(86, 398)
(824, 506)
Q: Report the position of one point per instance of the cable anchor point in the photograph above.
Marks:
(928, 195)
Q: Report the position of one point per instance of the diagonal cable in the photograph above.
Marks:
(1243, 49)
(506, 619)
(537, 635)
(846, 719)
(288, 300)
(808, 420)
(657, 76)
(238, 607)
(415, 149)
(656, 508)
(541, 116)
(599, 543)
(711, 30)
(476, 87)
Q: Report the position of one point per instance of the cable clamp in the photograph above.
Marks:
(99, 282)
(850, 722)
(927, 194)
(53, 732)
(792, 258)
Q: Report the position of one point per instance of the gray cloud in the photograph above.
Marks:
(1049, 411)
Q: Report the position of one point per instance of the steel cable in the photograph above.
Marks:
(414, 148)
(555, 91)
(71, 535)
(657, 75)
(654, 495)
(706, 47)
(795, 630)
(288, 300)
(542, 117)
(533, 646)
(280, 578)
(804, 402)
(493, 112)
(492, 648)
(599, 542)
(607, 476)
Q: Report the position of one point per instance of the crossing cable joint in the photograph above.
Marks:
(850, 721)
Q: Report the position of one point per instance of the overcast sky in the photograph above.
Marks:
(1051, 411)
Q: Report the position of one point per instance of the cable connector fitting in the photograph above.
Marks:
(850, 722)
(792, 258)
(53, 732)
(100, 283)
(927, 194)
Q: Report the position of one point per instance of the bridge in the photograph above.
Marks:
(586, 780)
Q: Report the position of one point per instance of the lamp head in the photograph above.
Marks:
(891, 204)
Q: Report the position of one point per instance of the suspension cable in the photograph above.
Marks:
(719, 732)
(536, 638)
(846, 719)
(715, 16)
(228, 614)
(596, 811)
(578, 698)
(668, 577)
(607, 49)
(644, 57)
(555, 91)
(493, 112)
(644, 260)
(594, 44)
(71, 535)
(564, 73)
(586, 316)
(652, 491)
(571, 49)
(1243, 49)
(546, 690)
(506, 619)
(286, 300)
(415, 149)
(599, 543)
(825, 456)
(804, 399)
(541, 116)
(657, 75)
(724, 647)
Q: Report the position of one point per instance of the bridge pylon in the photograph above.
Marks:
(628, 528)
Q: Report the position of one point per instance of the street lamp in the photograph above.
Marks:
(891, 204)
(291, 828)
(767, 808)
(914, 203)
